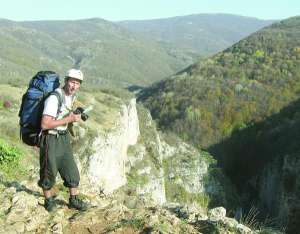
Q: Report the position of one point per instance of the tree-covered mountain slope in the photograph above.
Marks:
(243, 106)
(244, 84)
(263, 160)
(200, 34)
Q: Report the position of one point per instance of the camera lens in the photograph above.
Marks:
(84, 116)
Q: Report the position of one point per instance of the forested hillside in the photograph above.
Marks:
(242, 85)
(243, 106)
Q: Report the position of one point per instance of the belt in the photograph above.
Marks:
(56, 132)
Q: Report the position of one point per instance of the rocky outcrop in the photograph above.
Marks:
(104, 169)
(147, 162)
(213, 221)
(279, 189)
(169, 170)
(21, 209)
(22, 212)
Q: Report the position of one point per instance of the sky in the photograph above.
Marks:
(117, 10)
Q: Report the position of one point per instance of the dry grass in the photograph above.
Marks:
(106, 110)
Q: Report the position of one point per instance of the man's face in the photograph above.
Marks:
(71, 86)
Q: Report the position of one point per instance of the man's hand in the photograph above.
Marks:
(74, 117)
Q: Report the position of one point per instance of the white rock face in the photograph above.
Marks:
(105, 170)
(155, 188)
(216, 214)
(133, 130)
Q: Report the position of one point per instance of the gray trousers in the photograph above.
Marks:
(56, 156)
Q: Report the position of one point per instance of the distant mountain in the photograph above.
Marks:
(194, 35)
(23, 51)
(252, 79)
(106, 52)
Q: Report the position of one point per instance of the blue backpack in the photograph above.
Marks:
(41, 86)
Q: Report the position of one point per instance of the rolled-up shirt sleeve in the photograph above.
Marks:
(51, 106)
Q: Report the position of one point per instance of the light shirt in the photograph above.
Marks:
(51, 106)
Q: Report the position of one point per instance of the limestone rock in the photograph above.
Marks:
(242, 229)
(230, 222)
(105, 168)
(217, 214)
(57, 228)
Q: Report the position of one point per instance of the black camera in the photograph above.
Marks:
(80, 110)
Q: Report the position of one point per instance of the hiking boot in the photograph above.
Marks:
(76, 203)
(50, 204)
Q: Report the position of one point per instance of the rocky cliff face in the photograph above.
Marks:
(150, 164)
(279, 188)
(104, 169)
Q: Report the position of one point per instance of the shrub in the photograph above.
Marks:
(8, 154)
(266, 226)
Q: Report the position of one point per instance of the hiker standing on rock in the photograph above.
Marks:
(55, 149)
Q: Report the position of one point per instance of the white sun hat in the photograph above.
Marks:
(74, 73)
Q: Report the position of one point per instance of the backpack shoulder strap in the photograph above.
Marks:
(59, 98)
(74, 99)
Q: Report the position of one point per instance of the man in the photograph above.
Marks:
(55, 148)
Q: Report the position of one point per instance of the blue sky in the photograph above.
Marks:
(115, 10)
